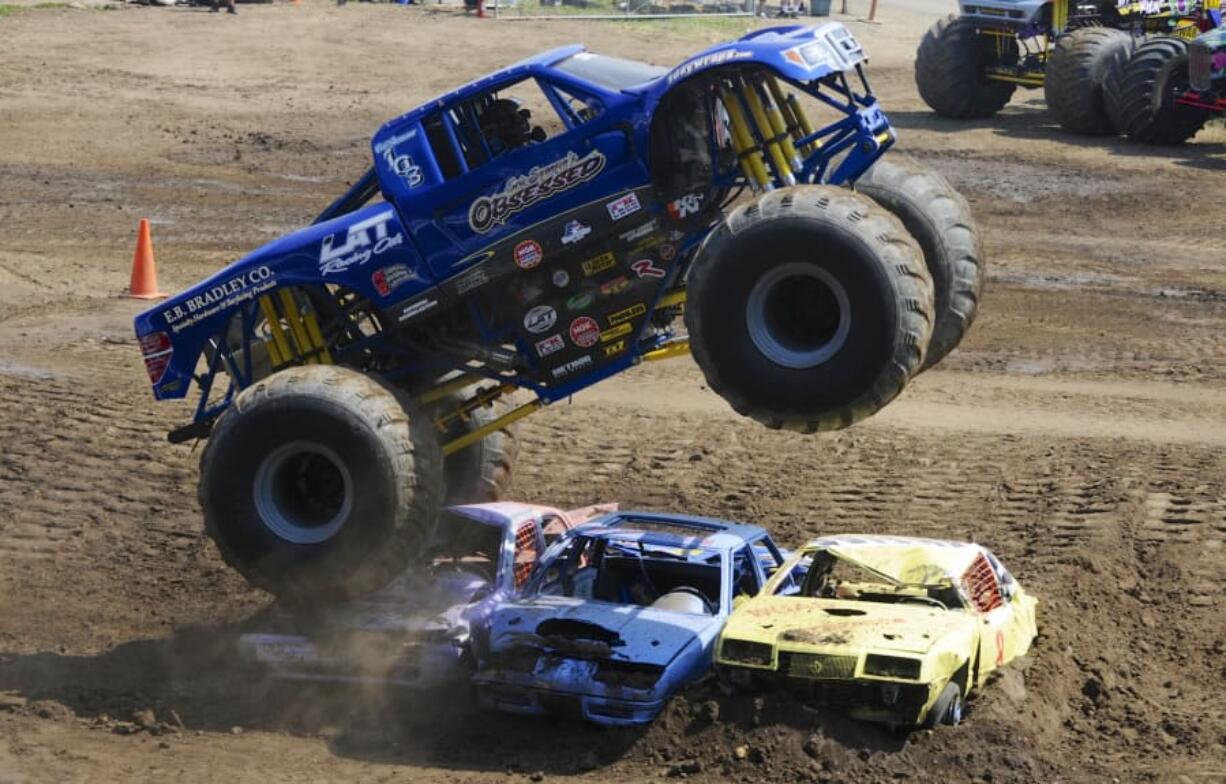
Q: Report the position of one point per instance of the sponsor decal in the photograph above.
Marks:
(615, 333)
(561, 278)
(528, 254)
(668, 251)
(646, 268)
(572, 366)
(522, 191)
(403, 166)
(698, 63)
(624, 207)
(363, 240)
(416, 308)
(471, 280)
(227, 294)
(574, 232)
(550, 345)
(613, 349)
(584, 332)
(598, 264)
(639, 233)
(156, 350)
(579, 302)
(388, 144)
(614, 287)
(632, 312)
(388, 279)
(540, 319)
(687, 205)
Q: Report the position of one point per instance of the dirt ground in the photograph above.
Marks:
(1079, 431)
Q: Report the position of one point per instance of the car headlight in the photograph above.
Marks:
(746, 652)
(892, 667)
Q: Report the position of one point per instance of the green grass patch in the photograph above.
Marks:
(8, 9)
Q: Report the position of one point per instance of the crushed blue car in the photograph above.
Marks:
(621, 614)
(534, 232)
(417, 632)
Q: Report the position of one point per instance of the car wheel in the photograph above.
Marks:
(947, 709)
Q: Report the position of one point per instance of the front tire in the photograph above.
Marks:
(809, 309)
(1141, 96)
(947, 709)
(939, 218)
(320, 483)
(950, 65)
(1080, 64)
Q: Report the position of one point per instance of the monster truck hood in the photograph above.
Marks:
(595, 630)
(838, 626)
(347, 250)
(800, 52)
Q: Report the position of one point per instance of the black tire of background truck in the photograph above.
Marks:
(480, 473)
(949, 66)
(940, 220)
(1138, 96)
(320, 483)
(947, 709)
(1077, 70)
(809, 308)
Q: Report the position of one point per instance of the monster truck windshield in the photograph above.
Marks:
(633, 572)
(611, 72)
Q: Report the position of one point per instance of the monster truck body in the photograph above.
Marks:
(338, 366)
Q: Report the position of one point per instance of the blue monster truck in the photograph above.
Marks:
(542, 229)
(969, 65)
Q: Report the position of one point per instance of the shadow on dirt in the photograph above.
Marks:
(1030, 120)
(192, 681)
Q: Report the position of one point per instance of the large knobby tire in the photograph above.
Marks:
(480, 473)
(947, 709)
(1141, 96)
(320, 483)
(940, 220)
(809, 308)
(950, 70)
(1080, 64)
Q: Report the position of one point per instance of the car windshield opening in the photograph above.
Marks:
(632, 572)
(827, 576)
(464, 543)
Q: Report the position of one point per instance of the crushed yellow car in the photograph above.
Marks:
(890, 629)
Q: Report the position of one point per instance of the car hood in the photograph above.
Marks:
(406, 605)
(831, 624)
(594, 630)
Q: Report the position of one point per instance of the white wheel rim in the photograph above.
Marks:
(770, 336)
(296, 517)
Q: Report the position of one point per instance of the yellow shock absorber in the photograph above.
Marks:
(278, 349)
(769, 140)
(803, 121)
(785, 110)
(317, 337)
(1059, 15)
(748, 154)
(290, 306)
(774, 115)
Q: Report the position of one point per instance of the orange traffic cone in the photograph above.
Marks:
(144, 283)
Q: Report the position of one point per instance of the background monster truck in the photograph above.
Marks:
(519, 251)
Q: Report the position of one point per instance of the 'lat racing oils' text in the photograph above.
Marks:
(520, 193)
(219, 297)
(360, 246)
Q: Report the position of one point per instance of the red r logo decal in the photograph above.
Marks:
(1000, 648)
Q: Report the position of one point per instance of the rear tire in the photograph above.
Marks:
(940, 220)
(320, 483)
(1080, 64)
(480, 473)
(809, 309)
(1140, 97)
(949, 70)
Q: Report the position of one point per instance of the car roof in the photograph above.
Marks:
(672, 530)
(501, 513)
(908, 559)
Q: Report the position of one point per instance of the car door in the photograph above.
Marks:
(1002, 633)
